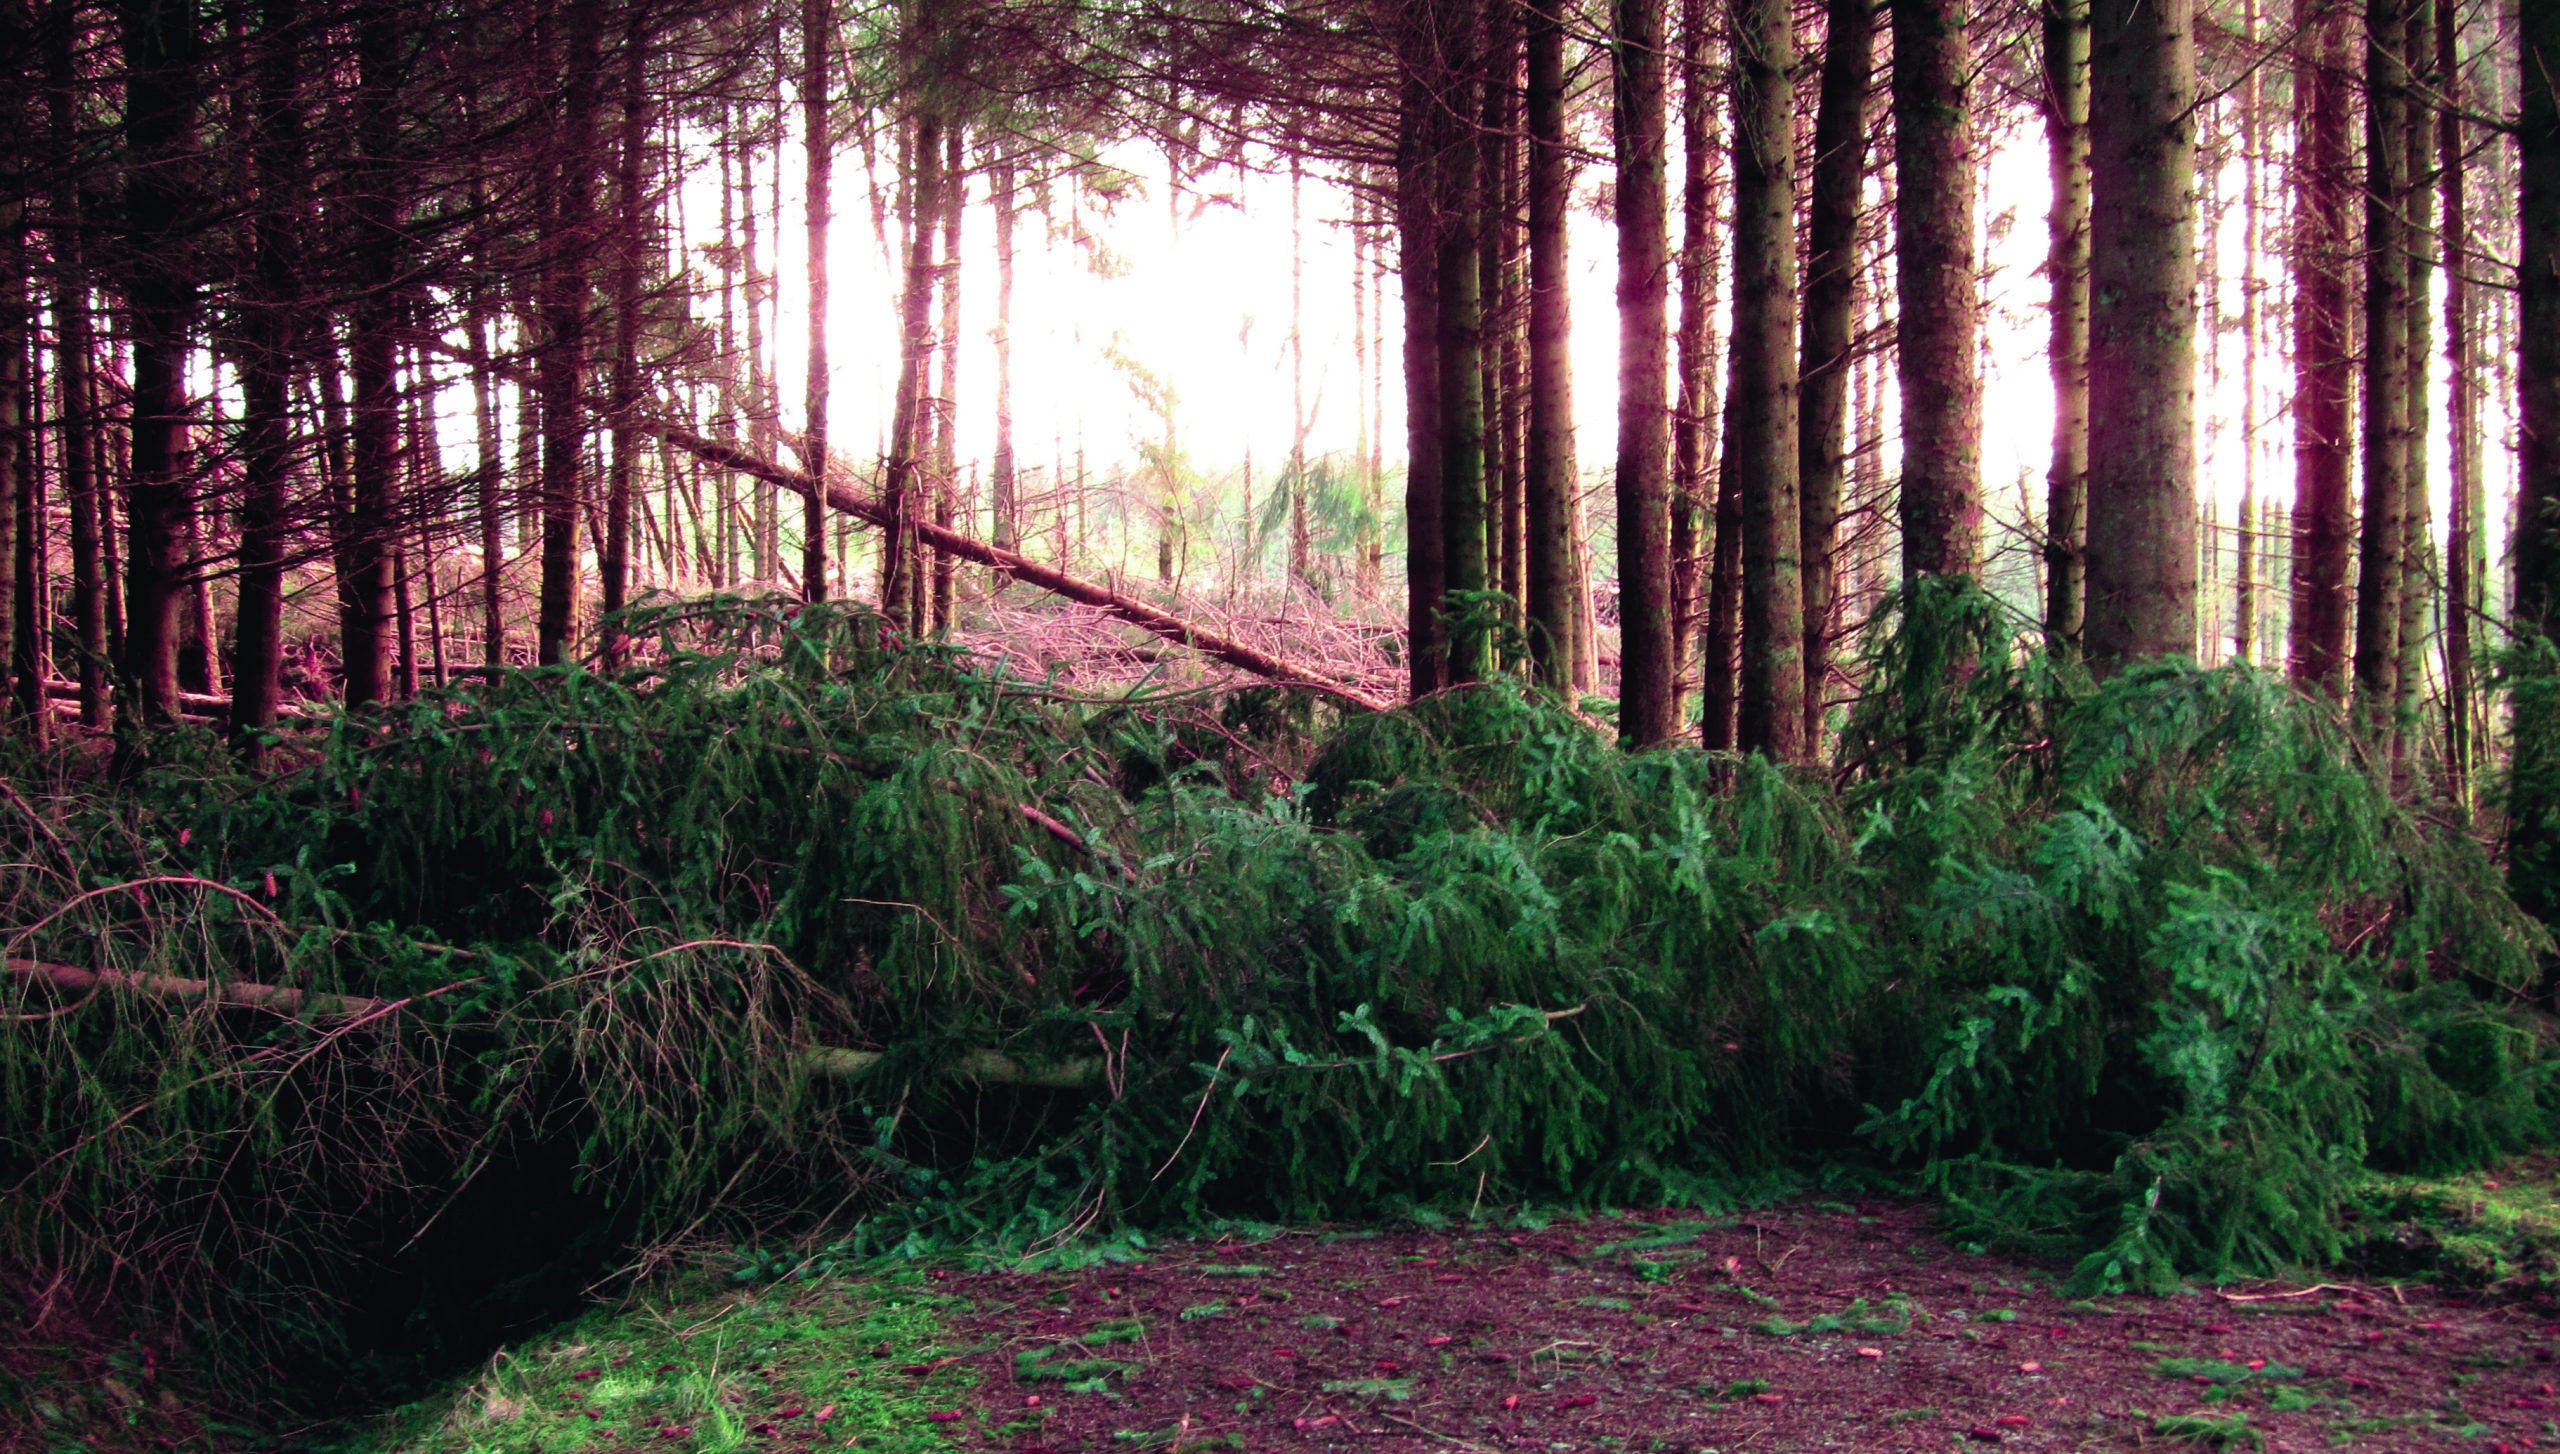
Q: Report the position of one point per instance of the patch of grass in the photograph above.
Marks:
(2210, 1430)
(1235, 1269)
(1198, 1311)
(712, 1369)
(1394, 1390)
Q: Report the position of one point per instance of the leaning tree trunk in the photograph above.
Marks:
(1760, 432)
(2324, 373)
(1646, 692)
(2066, 89)
(1830, 324)
(1548, 489)
(2142, 273)
(1940, 304)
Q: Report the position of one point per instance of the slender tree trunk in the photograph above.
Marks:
(1830, 319)
(631, 249)
(1301, 536)
(2462, 413)
(1548, 490)
(30, 614)
(368, 605)
(2244, 604)
(2533, 809)
(1422, 134)
(564, 309)
(2142, 266)
(2324, 507)
(2418, 223)
(817, 36)
(1006, 526)
(1761, 420)
(17, 384)
(2385, 443)
(906, 429)
(1699, 391)
(1461, 343)
(2066, 119)
(946, 414)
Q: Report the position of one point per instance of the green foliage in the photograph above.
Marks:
(2148, 971)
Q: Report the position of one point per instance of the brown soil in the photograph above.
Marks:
(1802, 1328)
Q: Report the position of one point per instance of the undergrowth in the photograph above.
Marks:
(2147, 972)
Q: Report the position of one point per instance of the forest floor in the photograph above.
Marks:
(1813, 1325)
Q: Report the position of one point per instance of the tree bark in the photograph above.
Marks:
(1940, 305)
(631, 249)
(2462, 413)
(1760, 430)
(1422, 132)
(564, 316)
(906, 425)
(2066, 119)
(1700, 393)
(946, 411)
(163, 94)
(1830, 323)
(1548, 489)
(817, 35)
(2324, 379)
(2142, 271)
(1647, 695)
(1005, 527)
(2533, 813)
(2383, 543)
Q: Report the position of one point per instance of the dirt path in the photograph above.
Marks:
(1801, 1328)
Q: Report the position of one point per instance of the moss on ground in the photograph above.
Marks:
(830, 1362)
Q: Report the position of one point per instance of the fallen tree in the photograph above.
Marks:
(1152, 619)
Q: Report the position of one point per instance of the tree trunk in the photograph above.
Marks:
(162, 97)
(2533, 811)
(1760, 429)
(564, 309)
(2244, 596)
(1939, 303)
(17, 386)
(1461, 344)
(1647, 695)
(906, 427)
(2462, 413)
(2142, 268)
(1004, 529)
(2324, 507)
(1700, 393)
(631, 249)
(1548, 489)
(2383, 544)
(817, 119)
(1420, 137)
(2417, 222)
(2066, 119)
(1830, 322)
(946, 413)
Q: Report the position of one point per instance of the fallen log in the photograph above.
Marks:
(826, 1062)
(1151, 619)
